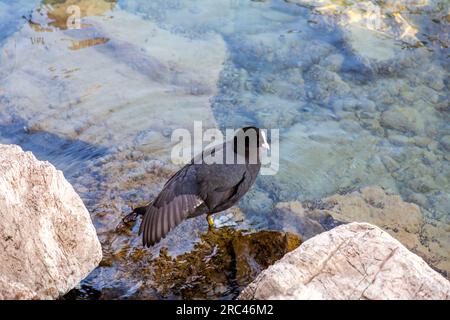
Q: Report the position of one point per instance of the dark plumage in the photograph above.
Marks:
(204, 188)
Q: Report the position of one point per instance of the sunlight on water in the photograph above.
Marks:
(359, 91)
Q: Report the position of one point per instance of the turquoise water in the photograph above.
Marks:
(359, 101)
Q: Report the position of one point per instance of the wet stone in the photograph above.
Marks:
(221, 264)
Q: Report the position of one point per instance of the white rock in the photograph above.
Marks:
(47, 239)
(352, 261)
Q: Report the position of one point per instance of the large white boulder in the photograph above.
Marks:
(48, 243)
(352, 261)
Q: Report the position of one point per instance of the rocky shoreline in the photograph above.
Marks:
(50, 245)
(356, 107)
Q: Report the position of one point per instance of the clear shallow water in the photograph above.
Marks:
(357, 104)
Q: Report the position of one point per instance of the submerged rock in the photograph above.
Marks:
(118, 73)
(221, 264)
(60, 11)
(403, 220)
(318, 159)
(48, 241)
(445, 141)
(294, 218)
(402, 119)
(354, 261)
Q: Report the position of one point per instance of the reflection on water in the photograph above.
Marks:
(359, 90)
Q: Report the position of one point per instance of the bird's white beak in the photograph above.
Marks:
(265, 145)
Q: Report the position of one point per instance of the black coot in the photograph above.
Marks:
(202, 188)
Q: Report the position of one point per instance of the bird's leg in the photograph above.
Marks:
(210, 221)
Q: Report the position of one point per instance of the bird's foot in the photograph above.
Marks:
(127, 222)
(210, 221)
(131, 218)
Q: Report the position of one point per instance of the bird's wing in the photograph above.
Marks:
(176, 202)
(157, 222)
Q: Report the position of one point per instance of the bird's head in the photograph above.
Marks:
(250, 139)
